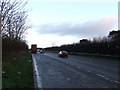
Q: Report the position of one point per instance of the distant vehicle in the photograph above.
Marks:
(38, 50)
(63, 54)
(34, 48)
(42, 50)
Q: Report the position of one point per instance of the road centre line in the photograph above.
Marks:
(107, 78)
(117, 81)
(100, 75)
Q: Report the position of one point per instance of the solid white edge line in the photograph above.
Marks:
(37, 76)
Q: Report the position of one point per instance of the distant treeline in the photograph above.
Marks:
(105, 45)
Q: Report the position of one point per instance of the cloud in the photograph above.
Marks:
(88, 29)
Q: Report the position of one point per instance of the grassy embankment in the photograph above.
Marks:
(17, 71)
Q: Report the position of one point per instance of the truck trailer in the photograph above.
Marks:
(34, 48)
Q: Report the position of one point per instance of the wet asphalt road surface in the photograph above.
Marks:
(76, 71)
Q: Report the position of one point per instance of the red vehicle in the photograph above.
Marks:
(34, 48)
(63, 54)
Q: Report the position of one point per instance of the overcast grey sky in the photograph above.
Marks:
(65, 22)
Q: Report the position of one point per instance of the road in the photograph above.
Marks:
(76, 72)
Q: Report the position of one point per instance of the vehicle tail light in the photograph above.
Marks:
(64, 54)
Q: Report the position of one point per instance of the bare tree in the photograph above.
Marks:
(13, 18)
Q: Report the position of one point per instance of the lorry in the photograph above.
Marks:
(34, 48)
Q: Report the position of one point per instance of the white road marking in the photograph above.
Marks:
(117, 81)
(106, 78)
(38, 78)
(100, 75)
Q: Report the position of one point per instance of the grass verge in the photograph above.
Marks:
(17, 71)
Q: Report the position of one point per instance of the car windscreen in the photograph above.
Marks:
(64, 52)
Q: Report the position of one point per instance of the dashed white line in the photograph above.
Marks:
(106, 78)
(100, 75)
(117, 81)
